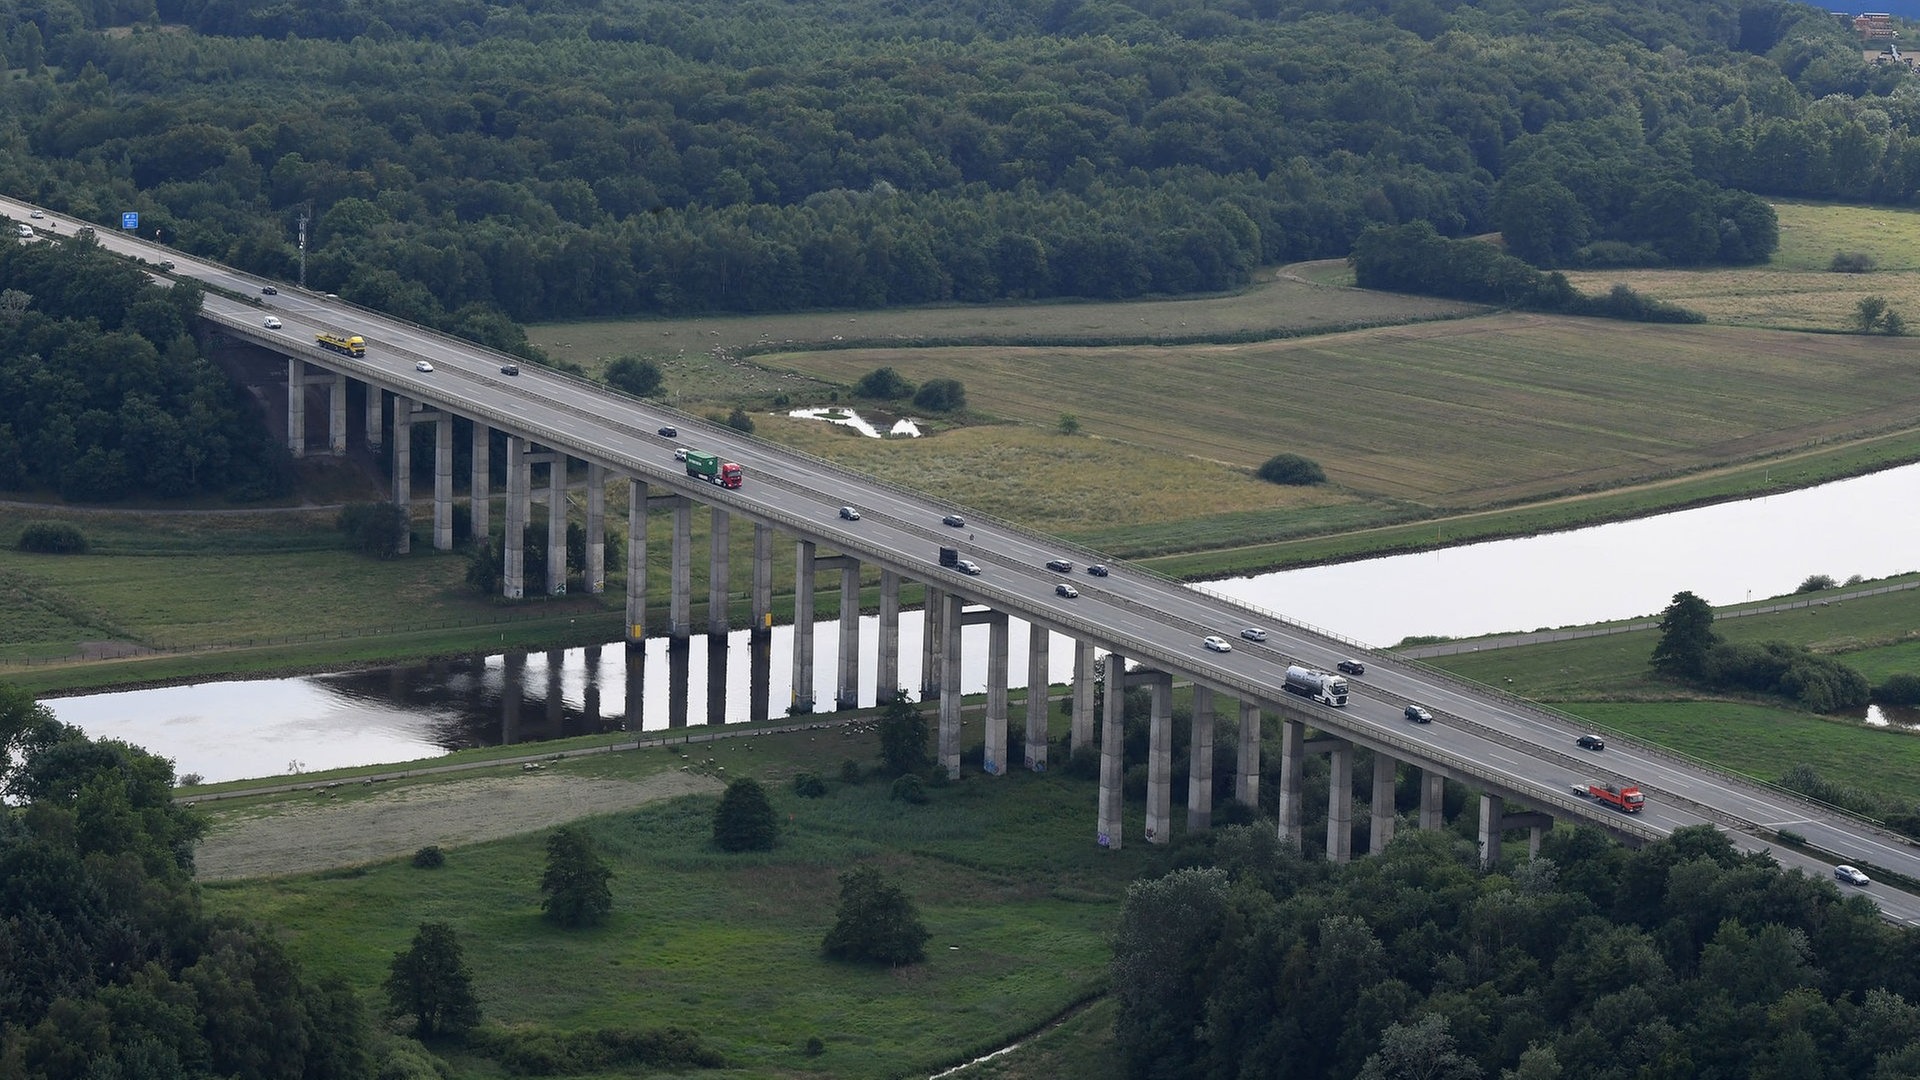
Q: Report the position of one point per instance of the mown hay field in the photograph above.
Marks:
(1464, 413)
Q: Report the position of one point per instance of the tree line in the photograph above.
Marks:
(462, 162)
(104, 392)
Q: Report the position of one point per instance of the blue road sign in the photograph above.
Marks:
(130, 219)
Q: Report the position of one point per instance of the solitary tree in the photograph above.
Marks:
(1069, 424)
(876, 923)
(641, 378)
(1686, 634)
(941, 395)
(575, 881)
(431, 983)
(744, 820)
(903, 737)
(883, 384)
(1291, 469)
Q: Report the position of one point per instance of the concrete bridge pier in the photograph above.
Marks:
(1113, 766)
(337, 415)
(762, 579)
(1081, 733)
(1339, 798)
(847, 689)
(1246, 763)
(719, 560)
(480, 483)
(1200, 762)
(636, 562)
(1493, 812)
(403, 466)
(995, 763)
(1380, 828)
(803, 560)
(513, 558)
(594, 574)
(1160, 760)
(949, 694)
(887, 681)
(297, 406)
(1433, 794)
(556, 524)
(931, 624)
(1039, 641)
(680, 603)
(376, 417)
(1293, 736)
(442, 480)
(1536, 825)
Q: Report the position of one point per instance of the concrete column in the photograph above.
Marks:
(847, 693)
(1081, 733)
(403, 466)
(376, 417)
(513, 560)
(480, 484)
(337, 415)
(297, 406)
(802, 628)
(1200, 762)
(1340, 805)
(1433, 793)
(1492, 810)
(1039, 641)
(887, 681)
(719, 545)
(1293, 734)
(996, 734)
(1113, 765)
(557, 525)
(596, 568)
(636, 563)
(949, 669)
(762, 578)
(1246, 763)
(442, 481)
(1160, 762)
(680, 604)
(931, 626)
(1381, 827)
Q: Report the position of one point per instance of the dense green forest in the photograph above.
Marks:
(104, 392)
(459, 161)
(1686, 959)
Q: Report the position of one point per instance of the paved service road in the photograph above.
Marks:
(1523, 751)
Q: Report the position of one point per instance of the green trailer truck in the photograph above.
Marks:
(710, 468)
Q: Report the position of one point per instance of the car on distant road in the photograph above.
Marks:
(422, 365)
(1591, 742)
(954, 520)
(1060, 566)
(1097, 569)
(679, 453)
(1254, 633)
(268, 290)
(848, 513)
(24, 231)
(1066, 590)
(1850, 876)
(1215, 643)
(1351, 667)
(37, 215)
(509, 369)
(968, 566)
(668, 431)
(1419, 714)
(166, 264)
(270, 323)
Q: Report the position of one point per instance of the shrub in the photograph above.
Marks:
(1897, 690)
(744, 819)
(883, 384)
(909, 789)
(815, 1046)
(941, 395)
(52, 538)
(374, 529)
(738, 420)
(850, 772)
(1815, 583)
(429, 857)
(809, 786)
(1852, 262)
(876, 923)
(1291, 469)
(641, 378)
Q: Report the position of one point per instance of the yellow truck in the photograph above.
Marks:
(351, 345)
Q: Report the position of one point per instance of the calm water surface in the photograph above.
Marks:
(1728, 553)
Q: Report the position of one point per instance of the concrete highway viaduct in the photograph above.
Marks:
(1520, 756)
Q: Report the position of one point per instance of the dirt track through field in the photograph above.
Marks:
(324, 834)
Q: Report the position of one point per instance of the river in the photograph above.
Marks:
(1725, 553)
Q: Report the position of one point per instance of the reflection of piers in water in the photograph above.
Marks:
(716, 676)
(679, 653)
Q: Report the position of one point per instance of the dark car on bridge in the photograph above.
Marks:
(1419, 714)
(1591, 742)
(268, 290)
(1097, 569)
(1351, 667)
(954, 520)
(668, 432)
(1061, 566)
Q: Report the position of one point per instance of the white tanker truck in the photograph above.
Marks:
(1322, 686)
